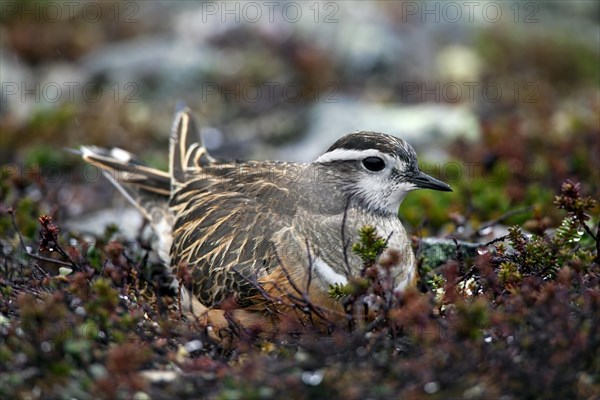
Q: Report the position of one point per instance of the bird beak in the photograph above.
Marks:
(424, 181)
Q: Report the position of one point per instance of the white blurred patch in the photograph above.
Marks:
(121, 155)
(327, 274)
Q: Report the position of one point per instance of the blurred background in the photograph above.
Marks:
(500, 98)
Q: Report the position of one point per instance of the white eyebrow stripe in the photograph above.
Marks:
(346, 154)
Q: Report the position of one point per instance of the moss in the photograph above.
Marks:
(509, 274)
(370, 245)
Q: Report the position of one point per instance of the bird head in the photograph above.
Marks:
(376, 170)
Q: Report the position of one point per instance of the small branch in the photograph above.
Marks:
(47, 259)
(498, 239)
(459, 254)
(66, 256)
(296, 302)
(346, 243)
(503, 217)
(235, 327)
(589, 231)
(103, 267)
(597, 239)
(14, 224)
(34, 256)
(267, 296)
(387, 240)
(179, 287)
(287, 274)
(378, 321)
(305, 300)
(461, 266)
(310, 266)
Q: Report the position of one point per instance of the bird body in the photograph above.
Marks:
(253, 229)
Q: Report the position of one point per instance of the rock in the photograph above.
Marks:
(127, 219)
(428, 127)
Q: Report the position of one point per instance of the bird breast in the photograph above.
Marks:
(332, 266)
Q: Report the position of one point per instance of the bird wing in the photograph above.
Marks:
(227, 229)
(236, 227)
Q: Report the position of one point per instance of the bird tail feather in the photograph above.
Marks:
(186, 151)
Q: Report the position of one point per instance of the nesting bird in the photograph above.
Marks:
(246, 230)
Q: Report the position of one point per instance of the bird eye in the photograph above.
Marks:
(373, 164)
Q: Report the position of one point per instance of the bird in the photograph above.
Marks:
(251, 231)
